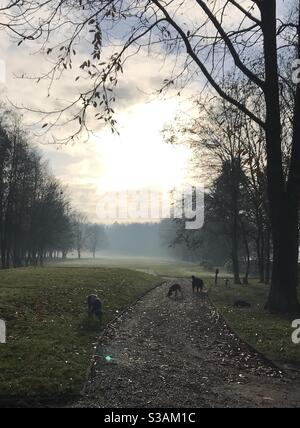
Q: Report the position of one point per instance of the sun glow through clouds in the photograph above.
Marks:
(139, 158)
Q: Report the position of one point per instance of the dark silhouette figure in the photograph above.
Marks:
(197, 284)
(216, 277)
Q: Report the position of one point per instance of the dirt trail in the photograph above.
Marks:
(179, 353)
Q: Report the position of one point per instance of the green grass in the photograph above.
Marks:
(50, 340)
(270, 334)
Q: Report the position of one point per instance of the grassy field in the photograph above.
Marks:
(269, 334)
(157, 266)
(50, 340)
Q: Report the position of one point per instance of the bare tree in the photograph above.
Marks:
(95, 238)
(34, 211)
(225, 136)
(79, 222)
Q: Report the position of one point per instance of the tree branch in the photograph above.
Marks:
(204, 70)
(236, 57)
(245, 12)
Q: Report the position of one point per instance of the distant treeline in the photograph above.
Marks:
(137, 239)
(36, 219)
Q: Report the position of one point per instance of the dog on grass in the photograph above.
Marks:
(241, 304)
(175, 289)
(94, 307)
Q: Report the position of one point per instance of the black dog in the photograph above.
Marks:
(175, 288)
(241, 304)
(94, 306)
(197, 284)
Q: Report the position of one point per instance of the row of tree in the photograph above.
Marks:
(237, 216)
(36, 218)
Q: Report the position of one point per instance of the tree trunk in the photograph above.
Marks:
(260, 258)
(283, 294)
(260, 246)
(235, 221)
(283, 203)
(248, 263)
(235, 260)
(247, 249)
(268, 257)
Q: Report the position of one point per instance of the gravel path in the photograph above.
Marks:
(179, 353)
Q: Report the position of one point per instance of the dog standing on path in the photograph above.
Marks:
(175, 288)
(197, 284)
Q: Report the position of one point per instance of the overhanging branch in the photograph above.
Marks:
(203, 68)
